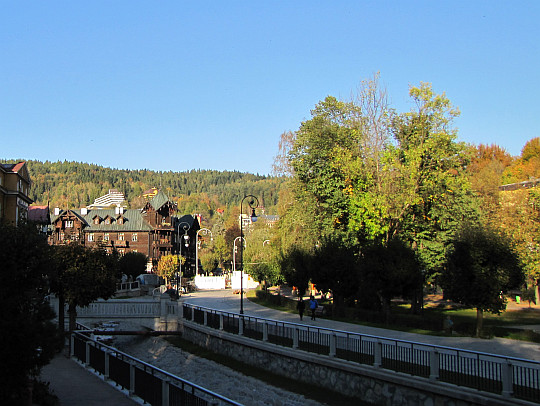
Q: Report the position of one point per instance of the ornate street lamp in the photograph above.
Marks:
(253, 203)
(185, 238)
(206, 231)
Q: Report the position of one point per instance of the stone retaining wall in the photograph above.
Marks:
(369, 384)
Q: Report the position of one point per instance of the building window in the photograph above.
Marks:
(121, 236)
(120, 220)
(106, 237)
(61, 236)
(135, 237)
(107, 221)
(96, 220)
(121, 251)
(91, 237)
(69, 223)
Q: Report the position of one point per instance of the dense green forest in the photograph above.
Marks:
(74, 184)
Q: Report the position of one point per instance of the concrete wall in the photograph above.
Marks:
(370, 384)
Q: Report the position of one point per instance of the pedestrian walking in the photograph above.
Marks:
(313, 306)
(300, 306)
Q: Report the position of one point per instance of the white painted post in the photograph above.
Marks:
(205, 318)
(377, 362)
(332, 352)
(296, 338)
(507, 379)
(434, 364)
(221, 321)
(180, 306)
(240, 326)
(192, 314)
(265, 331)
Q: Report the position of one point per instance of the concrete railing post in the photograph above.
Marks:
(205, 318)
(296, 338)
(265, 331)
(507, 379)
(131, 379)
(377, 352)
(192, 314)
(332, 352)
(107, 364)
(241, 326)
(87, 355)
(221, 321)
(434, 364)
(72, 345)
(162, 309)
(165, 392)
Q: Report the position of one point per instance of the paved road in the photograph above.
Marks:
(228, 301)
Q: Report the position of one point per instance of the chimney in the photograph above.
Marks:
(57, 211)
(84, 211)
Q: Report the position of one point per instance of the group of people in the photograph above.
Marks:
(301, 306)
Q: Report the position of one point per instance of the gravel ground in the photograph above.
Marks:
(208, 374)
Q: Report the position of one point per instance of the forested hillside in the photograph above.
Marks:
(74, 184)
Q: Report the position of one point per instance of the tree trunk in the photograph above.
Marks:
(61, 315)
(72, 311)
(479, 321)
(536, 292)
(338, 306)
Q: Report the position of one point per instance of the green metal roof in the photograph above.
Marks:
(133, 220)
(159, 200)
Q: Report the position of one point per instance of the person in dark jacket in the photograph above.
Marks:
(300, 306)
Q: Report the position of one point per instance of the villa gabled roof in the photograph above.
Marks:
(159, 200)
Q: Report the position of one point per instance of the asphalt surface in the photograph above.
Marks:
(74, 385)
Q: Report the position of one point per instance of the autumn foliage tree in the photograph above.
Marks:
(169, 266)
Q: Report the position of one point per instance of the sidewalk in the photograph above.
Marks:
(75, 386)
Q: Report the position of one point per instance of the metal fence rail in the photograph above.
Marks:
(153, 385)
(511, 377)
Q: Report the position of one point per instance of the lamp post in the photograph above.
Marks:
(185, 226)
(206, 231)
(253, 203)
(235, 250)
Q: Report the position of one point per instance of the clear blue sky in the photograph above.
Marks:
(176, 85)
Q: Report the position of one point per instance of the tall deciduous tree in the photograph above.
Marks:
(389, 269)
(83, 275)
(481, 266)
(132, 264)
(28, 340)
